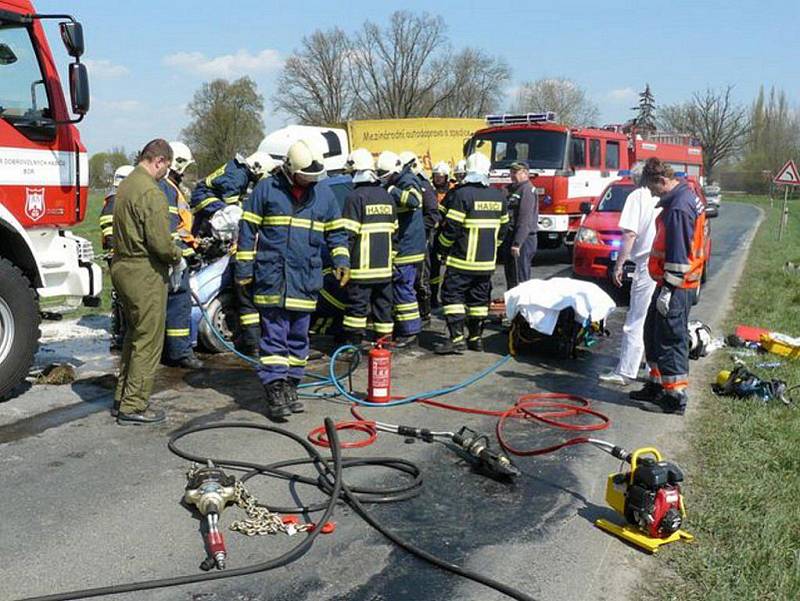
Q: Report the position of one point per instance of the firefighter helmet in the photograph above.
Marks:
(409, 158)
(304, 162)
(442, 168)
(478, 163)
(181, 157)
(261, 163)
(460, 168)
(360, 159)
(388, 163)
(120, 174)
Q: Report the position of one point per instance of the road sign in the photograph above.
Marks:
(788, 175)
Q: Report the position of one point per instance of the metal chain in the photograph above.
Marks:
(260, 519)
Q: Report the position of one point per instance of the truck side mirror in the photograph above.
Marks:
(586, 208)
(79, 88)
(7, 56)
(72, 35)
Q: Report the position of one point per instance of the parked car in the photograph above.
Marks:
(599, 239)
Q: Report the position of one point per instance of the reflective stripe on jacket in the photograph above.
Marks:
(370, 218)
(678, 254)
(475, 223)
(281, 239)
(223, 187)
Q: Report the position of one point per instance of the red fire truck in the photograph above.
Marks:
(572, 166)
(43, 183)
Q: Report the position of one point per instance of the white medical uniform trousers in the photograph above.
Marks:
(632, 350)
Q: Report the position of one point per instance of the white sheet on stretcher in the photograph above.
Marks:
(540, 302)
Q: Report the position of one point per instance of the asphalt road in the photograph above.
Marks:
(87, 503)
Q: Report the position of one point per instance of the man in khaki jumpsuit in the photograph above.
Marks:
(143, 253)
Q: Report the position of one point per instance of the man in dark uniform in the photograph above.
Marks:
(370, 218)
(475, 222)
(144, 251)
(286, 221)
(521, 242)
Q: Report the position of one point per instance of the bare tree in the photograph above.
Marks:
(715, 119)
(472, 84)
(563, 96)
(226, 119)
(314, 86)
(394, 70)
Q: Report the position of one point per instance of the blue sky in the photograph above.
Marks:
(146, 59)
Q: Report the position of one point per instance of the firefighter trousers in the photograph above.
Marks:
(142, 290)
(327, 317)
(465, 297)
(422, 284)
(284, 344)
(666, 342)
(177, 342)
(249, 325)
(518, 269)
(407, 320)
(369, 300)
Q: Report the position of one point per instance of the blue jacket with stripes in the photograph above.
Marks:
(223, 187)
(281, 241)
(407, 195)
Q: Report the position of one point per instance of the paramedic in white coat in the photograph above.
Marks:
(638, 224)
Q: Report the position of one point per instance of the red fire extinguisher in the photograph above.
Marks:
(379, 385)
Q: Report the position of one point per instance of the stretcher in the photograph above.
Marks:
(556, 316)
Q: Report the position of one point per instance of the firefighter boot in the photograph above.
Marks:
(424, 300)
(293, 400)
(475, 334)
(456, 343)
(277, 406)
(651, 392)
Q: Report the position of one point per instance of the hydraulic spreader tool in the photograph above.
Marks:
(210, 490)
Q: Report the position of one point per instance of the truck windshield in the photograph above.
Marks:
(613, 200)
(542, 149)
(22, 93)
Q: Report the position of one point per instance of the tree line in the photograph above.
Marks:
(409, 68)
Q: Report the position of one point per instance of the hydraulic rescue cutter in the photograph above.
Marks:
(210, 490)
(648, 497)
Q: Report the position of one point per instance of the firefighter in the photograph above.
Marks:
(177, 344)
(521, 241)
(224, 188)
(459, 171)
(475, 222)
(286, 221)
(107, 240)
(370, 218)
(144, 252)
(676, 265)
(430, 219)
(403, 186)
(442, 184)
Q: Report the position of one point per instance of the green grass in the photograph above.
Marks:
(743, 466)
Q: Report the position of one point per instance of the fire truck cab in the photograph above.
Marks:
(569, 166)
(43, 183)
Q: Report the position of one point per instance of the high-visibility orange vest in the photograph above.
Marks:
(691, 272)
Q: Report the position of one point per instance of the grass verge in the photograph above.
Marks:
(743, 466)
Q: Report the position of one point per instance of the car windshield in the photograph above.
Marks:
(542, 149)
(613, 200)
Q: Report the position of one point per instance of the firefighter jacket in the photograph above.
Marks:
(475, 223)
(223, 187)
(180, 217)
(407, 195)
(430, 204)
(107, 222)
(678, 254)
(370, 218)
(281, 239)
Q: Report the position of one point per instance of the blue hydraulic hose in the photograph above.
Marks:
(336, 381)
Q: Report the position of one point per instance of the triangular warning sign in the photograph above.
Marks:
(788, 175)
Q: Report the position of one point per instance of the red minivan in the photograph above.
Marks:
(599, 239)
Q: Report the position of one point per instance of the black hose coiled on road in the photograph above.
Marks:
(330, 481)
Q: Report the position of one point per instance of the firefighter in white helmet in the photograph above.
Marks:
(476, 219)
(460, 171)
(287, 220)
(370, 218)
